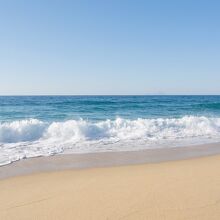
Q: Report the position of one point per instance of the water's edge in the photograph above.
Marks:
(106, 159)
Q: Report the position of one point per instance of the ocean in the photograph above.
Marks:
(32, 126)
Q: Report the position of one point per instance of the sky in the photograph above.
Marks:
(109, 47)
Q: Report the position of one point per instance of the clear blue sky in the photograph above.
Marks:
(109, 47)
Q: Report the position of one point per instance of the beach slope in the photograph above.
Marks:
(187, 189)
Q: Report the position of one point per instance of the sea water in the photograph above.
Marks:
(32, 126)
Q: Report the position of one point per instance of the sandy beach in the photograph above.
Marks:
(184, 189)
(109, 110)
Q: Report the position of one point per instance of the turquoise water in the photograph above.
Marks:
(33, 126)
(94, 108)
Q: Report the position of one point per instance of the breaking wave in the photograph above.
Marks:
(31, 138)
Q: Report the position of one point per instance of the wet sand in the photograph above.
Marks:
(105, 159)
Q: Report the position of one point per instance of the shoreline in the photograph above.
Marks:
(105, 159)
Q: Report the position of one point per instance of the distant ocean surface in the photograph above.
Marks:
(32, 126)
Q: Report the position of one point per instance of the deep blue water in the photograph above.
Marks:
(96, 108)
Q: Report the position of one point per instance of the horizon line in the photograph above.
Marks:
(112, 95)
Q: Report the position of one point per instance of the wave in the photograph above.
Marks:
(32, 137)
(76, 130)
(24, 130)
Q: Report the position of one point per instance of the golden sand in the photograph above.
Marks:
(187, 189)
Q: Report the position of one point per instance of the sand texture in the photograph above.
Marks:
(187, 189)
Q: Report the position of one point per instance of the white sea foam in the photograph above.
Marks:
(31, 138)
